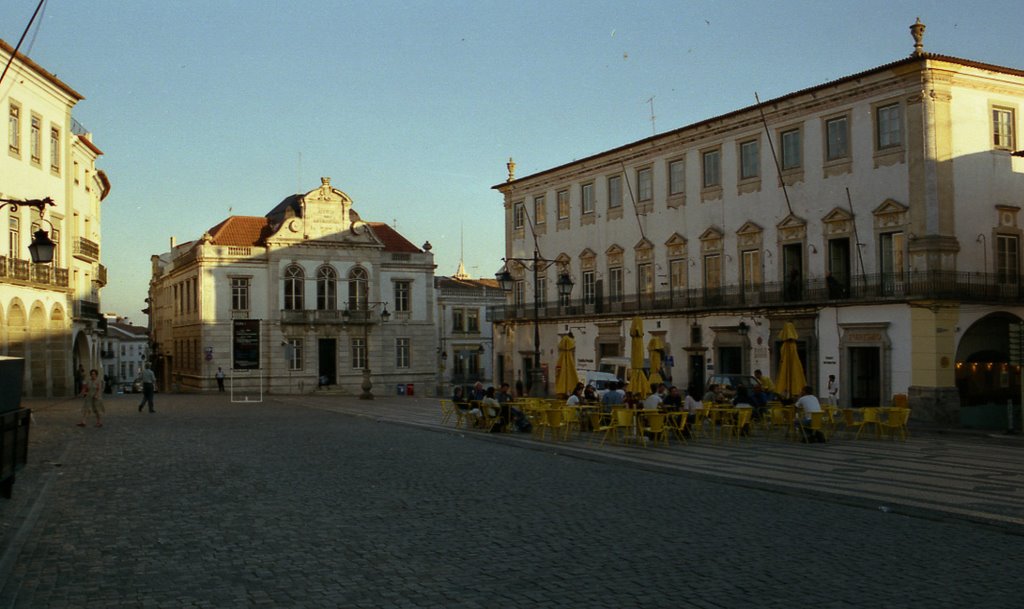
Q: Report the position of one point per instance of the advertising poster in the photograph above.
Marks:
(246, 344)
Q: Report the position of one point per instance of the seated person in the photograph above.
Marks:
(576, 397)
(807, 404)
(741, 399)
(759, 401)
(613, 397)
(589, 394)
(673, 401)
(653, 401)
(711, 395)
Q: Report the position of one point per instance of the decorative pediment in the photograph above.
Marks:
(614, 255)
(643, 244)
(749, 235)
(1007, 216)
(587, 253)
(614, 249)
(711, 240)
(587, 259)
(890, 213)
(838, 222)
(792, 228)
(563, 261)
(322, 214)
(676, 246)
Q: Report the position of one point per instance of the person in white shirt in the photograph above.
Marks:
(833, 390)
(654, 400)
(576, 398)
(808, 403)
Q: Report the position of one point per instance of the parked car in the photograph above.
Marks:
(731, 381)
(600, 380)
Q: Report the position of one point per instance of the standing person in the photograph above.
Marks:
(148, 386)
(833, 390)
(92, 394)
(220, 379)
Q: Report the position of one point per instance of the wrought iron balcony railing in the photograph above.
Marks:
(86, 249)
(862, 289)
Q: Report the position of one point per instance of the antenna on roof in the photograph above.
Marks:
(298, 176)
(654, 130)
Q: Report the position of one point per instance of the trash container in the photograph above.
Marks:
(408, 389)
(400, 389)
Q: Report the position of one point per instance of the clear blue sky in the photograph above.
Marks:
(413, 108)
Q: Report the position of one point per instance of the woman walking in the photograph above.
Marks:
(91, 391)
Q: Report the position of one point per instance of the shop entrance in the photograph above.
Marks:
(865, 374)
(327, 356)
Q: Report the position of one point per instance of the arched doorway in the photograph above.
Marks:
(984, 374)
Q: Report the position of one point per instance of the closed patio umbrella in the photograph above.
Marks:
(567, 375)
(654, 348)
(636, 378)
(791, 379)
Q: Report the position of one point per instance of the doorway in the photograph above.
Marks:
(865, 374)
(730, 360)
(327, 358)
(793, 267)
(697, 375)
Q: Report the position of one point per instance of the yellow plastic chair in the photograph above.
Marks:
(447, 411)
(701, 423)
(678, 423)
(621, 421)
(655, 424)
(556, 420)
(895, 423)
(599, 423)
(870, 418)
(462, 418)
(780, 417)
(732, 428)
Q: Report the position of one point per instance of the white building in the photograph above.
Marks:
(49, 313)
(899, 182)
(259, 297)
(465, 343)
(124, 351)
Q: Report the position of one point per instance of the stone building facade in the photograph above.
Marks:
(294, 302)
(879, 212)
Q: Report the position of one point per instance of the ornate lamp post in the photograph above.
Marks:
(41, 248)
(564, 285)
(362, 314)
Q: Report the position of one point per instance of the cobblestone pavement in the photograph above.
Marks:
(320, 502)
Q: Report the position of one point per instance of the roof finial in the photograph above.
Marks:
(917, 31)
(511, 165)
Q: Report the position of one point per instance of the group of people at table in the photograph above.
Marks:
(495, 406)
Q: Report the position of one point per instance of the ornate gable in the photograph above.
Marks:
(676, 245)
(890, 214)
(792, 228)
(838, 222)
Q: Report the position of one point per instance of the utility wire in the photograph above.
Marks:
(21, 40)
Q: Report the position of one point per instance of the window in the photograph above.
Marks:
(14, 129)
(614, 192)
(403, 290)
(518, 215)
(473, 321)
(294, 354)
(889, 124)
(402, 352)
(645, 280)
(750, 160)
(837, 144)
(677, 276)
(563, 204)
(458, 320)
(358, 352)
(712, 161)
(676, 177)
(791, 154)
(712, 272)
(589, 288)
(14, 238)
(891, 255)
(54, 149)
(326, 289)
(1003, 129)
(542, 289)
(540, 210)
(239, 293)
(519, 293)
(615, 284)
(751, 270)
(294, 279)
(55, 237)
(1007, 259)
(34, 139)
(358, 289)
(644, 184)
(587, 196)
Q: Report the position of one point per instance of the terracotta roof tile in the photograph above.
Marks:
(241, 231)
(393, 241)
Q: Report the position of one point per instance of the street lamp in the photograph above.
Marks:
(41, 248)
(564, 285)
(364, 308)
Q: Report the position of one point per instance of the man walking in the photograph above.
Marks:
(220, 379)
(148, 383)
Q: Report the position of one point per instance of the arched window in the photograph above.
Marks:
(358, 285)
(326, 289)
(293, 284)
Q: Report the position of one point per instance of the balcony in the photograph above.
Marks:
(312, 316)
(40, 275)
(86, 249)
(87, 309)
(979, 288)
(101, 275)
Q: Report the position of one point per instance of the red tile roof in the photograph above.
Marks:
(241, 231)
(393, 241)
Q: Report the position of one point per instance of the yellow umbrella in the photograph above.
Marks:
(654, 347)
(636, 378)
(791, 380)
(567, 376)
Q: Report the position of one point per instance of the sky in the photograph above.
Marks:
(211, 108)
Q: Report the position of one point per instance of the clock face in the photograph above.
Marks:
(293, 225)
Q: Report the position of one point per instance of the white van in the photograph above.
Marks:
(602, 381)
